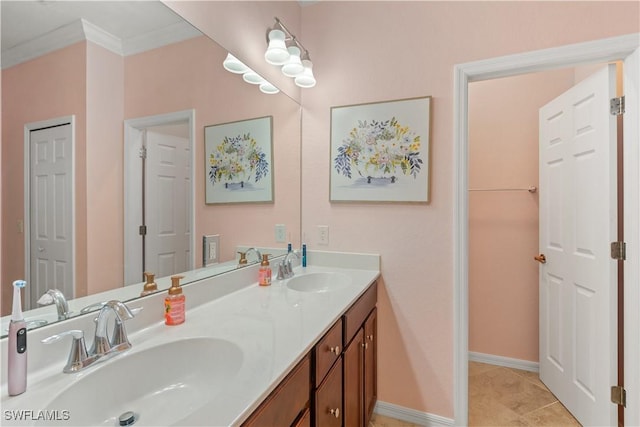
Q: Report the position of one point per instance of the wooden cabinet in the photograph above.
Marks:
(353, 378)
(328, 398)
(287, 403)
(370, 357)
(336, 384)
(360, 360)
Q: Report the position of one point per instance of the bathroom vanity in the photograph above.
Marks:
(335, 384)
(299, 352)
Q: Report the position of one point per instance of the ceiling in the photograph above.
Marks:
(28, 25)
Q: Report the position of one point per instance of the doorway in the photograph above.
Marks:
(590, 52)
(503, 237)
(49, 184)
(159, 194)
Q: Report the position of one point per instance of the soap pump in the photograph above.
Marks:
(174, 303)
(149, 287)
(264, 274)
(243, 258)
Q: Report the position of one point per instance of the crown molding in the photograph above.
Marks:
(82, 30)
(163, 36)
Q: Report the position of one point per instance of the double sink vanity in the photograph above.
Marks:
(299, 352)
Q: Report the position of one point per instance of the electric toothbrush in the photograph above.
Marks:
(17, 360)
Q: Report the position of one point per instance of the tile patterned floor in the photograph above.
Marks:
(507, 397)
(501, 396)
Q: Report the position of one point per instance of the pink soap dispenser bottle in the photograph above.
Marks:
(264, 274)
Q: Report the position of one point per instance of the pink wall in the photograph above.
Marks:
(105, 210)
(221, 97)
(28, 90)
(503, 226)
(373, 51)
(241, 27)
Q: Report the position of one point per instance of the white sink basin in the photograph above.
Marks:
(160, 385)
(318, 282)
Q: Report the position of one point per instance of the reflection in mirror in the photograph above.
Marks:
(108, 83)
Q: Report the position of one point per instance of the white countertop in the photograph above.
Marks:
(273, 326)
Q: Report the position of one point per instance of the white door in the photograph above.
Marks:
(578, 295)
(50, 216)
(168, 204)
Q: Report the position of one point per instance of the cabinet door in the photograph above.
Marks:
(353, 377)
(287, 401)
(370, 365)
(329, 399)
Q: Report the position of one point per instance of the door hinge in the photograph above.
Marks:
(616, 106)
(619, 395)
(143, 152)
(619, 250)
(143, 230)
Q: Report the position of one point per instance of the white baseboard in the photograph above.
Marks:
(411, 415)
(507, 362)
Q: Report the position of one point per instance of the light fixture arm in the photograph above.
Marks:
(290, 38)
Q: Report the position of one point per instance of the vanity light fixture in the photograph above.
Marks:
(234, 65)
(284, 49)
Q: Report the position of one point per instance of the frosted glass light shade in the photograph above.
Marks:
(252, 77)
(234, 65)
(277, 53)
(268, 88)
(294, 66)
(306, 79)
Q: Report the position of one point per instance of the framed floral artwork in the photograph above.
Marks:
(380, 151)
(239, 162)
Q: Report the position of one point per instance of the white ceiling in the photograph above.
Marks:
(26, 21)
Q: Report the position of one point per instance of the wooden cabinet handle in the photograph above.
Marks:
(335, 350)
(335, 412)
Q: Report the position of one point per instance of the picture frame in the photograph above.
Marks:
(380, 152)
(239, 161)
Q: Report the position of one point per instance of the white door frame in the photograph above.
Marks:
(604, 50)
(28, 127)
(133, 193)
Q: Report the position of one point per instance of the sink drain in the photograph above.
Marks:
(128, 418)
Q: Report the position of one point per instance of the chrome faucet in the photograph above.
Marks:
(54, 296)
(258, 254)
(285, 270)
(79, 357)
(119, 341)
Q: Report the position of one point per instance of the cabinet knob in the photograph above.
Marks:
(370, 337)
(335, 350)
(335, 412)
(365, 345)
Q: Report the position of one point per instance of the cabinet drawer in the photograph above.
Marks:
(328, 404)
(327, 351)
(357, 314)
(287, 401)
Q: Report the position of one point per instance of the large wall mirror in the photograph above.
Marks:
(85, 84)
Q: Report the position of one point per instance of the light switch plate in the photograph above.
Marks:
(281, 233)
(323, 234)
(210, 249)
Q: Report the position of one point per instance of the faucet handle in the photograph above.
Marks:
(78, 357)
